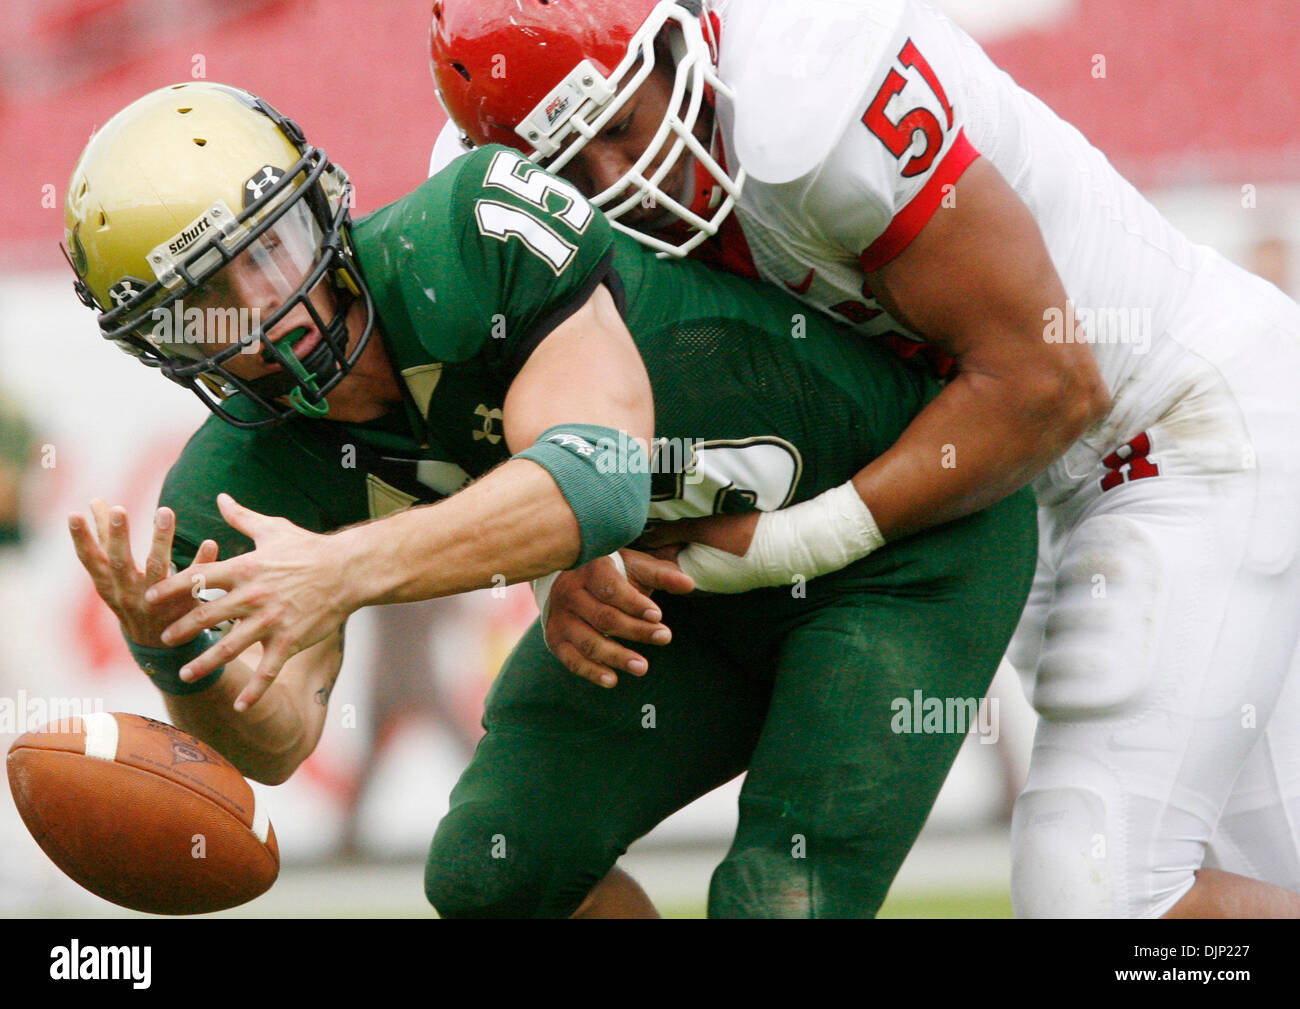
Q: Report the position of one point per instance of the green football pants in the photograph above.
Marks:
(810, 689)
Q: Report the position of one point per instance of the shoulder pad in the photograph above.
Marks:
(799, 72)
(449, 146)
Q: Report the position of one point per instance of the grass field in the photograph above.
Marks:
(949, 905)
(939, 904)
(947, 875)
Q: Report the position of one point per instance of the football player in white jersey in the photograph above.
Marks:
(869, 156)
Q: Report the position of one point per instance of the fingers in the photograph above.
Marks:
(99, 510)
(732, 533)
(666, 533)
(247, 521)
(580, 637)
(232, 511)
(589, 608)
(173, 588)
(118, 546)
(274, 657)
(88, 552)
(160, 551)
(599, 602)
(587, 634)
(717, 570)
(106, 554)
(576, 662)
(210, 575)
(602, 583)
(605, 621)
(654, 574)
(206, 554)
(231, 606)
(229, 648)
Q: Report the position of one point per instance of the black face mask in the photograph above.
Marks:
(305, 383)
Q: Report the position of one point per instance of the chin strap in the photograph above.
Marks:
(708, 193)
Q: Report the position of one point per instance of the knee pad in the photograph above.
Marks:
(788, 863)
(1097, 656)
(832, 880)
(1060, 856)
(483, 865)
(760, 882)
(475, 870)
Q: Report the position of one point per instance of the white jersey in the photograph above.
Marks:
(853, 120)
(1161, 642)
(1161, 607)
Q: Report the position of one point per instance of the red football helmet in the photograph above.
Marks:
(546, 76)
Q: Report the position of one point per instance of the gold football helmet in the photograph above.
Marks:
(196, 220)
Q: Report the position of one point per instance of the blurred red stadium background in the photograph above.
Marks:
(355, 76)
(1194, 90)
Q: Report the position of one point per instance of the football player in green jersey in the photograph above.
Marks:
(480, 383)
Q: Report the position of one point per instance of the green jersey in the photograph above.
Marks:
(757, 405)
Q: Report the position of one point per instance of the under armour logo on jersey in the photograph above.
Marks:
(1133, 457)
(490, 420)
(124, 290)
(261, 183)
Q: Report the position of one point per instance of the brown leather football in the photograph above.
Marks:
(143, 814)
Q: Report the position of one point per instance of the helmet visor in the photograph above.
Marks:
(225, 303)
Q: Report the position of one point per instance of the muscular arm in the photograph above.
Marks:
(269, 741)
(977, 281)
(514, 522)
(296, 587)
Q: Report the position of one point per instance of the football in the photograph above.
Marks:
(143, 814)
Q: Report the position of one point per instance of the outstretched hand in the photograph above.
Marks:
(105, 553)
(288, 593)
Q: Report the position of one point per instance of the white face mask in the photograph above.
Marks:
(592, 101)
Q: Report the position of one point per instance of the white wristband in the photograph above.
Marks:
(810, 539)
(542, 586)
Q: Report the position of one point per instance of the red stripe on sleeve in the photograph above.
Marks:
(907, 224)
